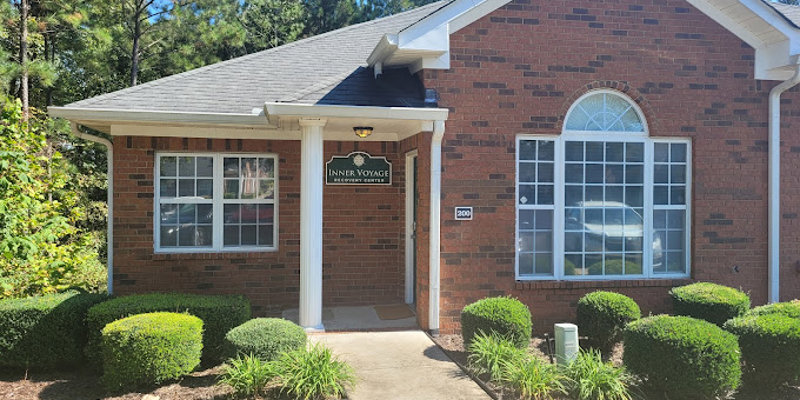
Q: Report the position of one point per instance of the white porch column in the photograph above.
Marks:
(436, 204)
(311, 185)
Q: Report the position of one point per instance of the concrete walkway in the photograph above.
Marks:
(400, 365)
(354, 319)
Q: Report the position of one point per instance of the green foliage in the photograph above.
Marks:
(504, 316)
(682, 356)
(709, 301)
(264, 338)
(602, 317)
(535, 379)
(248, 375)
(220, 314)
(46, 331)
(770, 346)
(589, 378)
(41, 249)
(149, 349)
(490, 354)
(788, 308)
(314, 373)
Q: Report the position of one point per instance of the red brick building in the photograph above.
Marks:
(535, 149)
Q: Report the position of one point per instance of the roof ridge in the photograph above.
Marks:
(246, 57)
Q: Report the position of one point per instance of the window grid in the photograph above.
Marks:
(675, 231)
(535, 197)
(195, 220)
(604, 187)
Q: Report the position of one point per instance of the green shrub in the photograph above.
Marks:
(602, 317)
(504, 316)
(149, 349)
(248, 376)
(710, 302)
(532, 378)
(489, 354)
(44, 332)
(788, 308)
(770, 346)
(220, 314)
(590, 378)
(314, 373)
(682, 356)
(265, 338)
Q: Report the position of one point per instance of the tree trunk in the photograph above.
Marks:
(137, 33)
(23, 58)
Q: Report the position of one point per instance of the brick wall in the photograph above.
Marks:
(519, 69)
(363, 231)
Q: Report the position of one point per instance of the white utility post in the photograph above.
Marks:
(311, 185)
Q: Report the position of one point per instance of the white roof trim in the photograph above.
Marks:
(427, 41)
(116, 115)
(276, 110)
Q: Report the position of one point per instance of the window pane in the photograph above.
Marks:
(248, 168)
(168, 166)
(169, 236)
(169, 188)
(204, 213)
(574, 151)
(661, 173)
(249, 213)
(544, 195)
(266, 214)
(205, 188)
(231, 168)
(544, 220)
(543, 264)
(186, 235)
(232, 214)
(615, 152)
(248, 235)
(265, 235)
(187, 214)
(546, 150)
(525, 242)
(186, 187)
(266, 189)
(661, 154)
(535, 242)
(634, 152)
(526, 264)
(169, 214)
(526, 220)
(573, 173)
(527, 150)
(614, 174)
(573, 265)
(205, 167)
(678, 152)
(527, 194)
(678, 174)
(231, 235)
(527, 172)
(545, 172)
(231, 188)
(249, 188)
(204, 238)
(186, 166)
(594, 151)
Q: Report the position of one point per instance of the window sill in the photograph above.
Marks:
(216, 255)
(600, 284)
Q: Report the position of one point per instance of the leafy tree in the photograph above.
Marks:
(41, 249)
(271, 23)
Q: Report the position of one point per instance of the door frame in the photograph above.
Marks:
(409, 223)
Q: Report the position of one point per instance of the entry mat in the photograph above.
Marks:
(394, 311)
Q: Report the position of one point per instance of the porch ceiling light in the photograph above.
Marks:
(362, 131)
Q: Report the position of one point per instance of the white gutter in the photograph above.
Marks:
(110, 177)
(435, 249)
(171, 117)
(775, 181)
(274, 110)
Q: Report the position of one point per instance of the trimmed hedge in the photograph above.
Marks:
(710, 302)
(220, 314)
(45, 332)
(770, 346)
(149, 349)
(504, 316)
(683, 357)
(602, 317)
(264, 338)
(788, 308)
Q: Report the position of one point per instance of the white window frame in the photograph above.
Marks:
(559, 187)
(217, 202)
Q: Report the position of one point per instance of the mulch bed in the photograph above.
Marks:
(83, 384)
(453, 345)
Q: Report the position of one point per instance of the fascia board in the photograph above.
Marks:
(276, 110)
(385, 48)
(772, 17)
(727, 22)
(117, 115)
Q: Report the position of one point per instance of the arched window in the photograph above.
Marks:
(602, 200)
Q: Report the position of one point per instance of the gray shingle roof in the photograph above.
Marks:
(789, 12)
(327, 69)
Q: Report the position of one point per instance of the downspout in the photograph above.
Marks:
(774, 180)
(110, 176)
(436, 203)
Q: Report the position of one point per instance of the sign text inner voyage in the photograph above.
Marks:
(358, 168)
